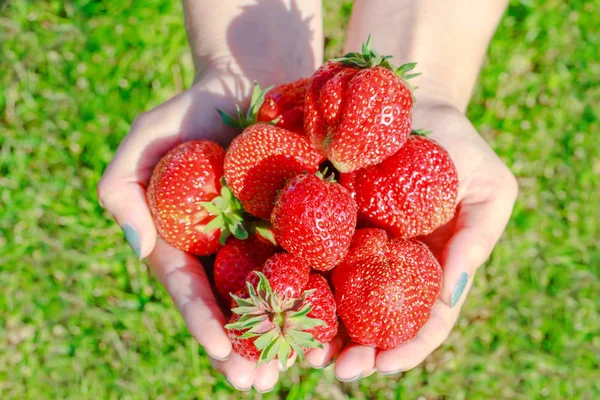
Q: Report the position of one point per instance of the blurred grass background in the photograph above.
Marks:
(80, 318)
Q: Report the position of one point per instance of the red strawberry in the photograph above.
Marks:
(235, 260)
(385, 289)
(357, 109)
(285, 103)
(261, 160)
(323, 308)
(270, 323)
(314, 219)
(409, 194)
(287, 274)
(185, 177)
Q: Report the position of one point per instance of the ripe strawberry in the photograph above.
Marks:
(272, 324)
(185, 177)
(235, 260)
(286, 273)
(261, 160)
(357, 109)
(323, 308)
(385, 289)
(411, 193)
(285, 103)
(314, 219)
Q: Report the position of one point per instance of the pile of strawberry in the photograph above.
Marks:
(326, 185)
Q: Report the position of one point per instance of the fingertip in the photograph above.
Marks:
(266, 377)
(354, 362)
(320, 358)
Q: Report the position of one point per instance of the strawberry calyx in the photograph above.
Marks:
(327, 178)
(279, 323)
(229, 215)
(369, 58)
(251, 117)
(420, 132)
(263, 229)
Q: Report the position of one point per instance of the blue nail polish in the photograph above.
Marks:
(350, 380)
(324, 366)
(390, 372)
(235, 387)
(459, 288)
(261, 392)
(132, 238)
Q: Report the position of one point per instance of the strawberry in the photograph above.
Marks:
(323, 308)
(409, 194)
(185, 177)
(260, 161)
(357, 109)
(236, 260)
(285, 104)
(314, 219)
(385, 288)
(286, 274)
(272, 324)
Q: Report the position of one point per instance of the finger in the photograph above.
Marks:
(480, 223)
(430, 337)
(266, 376)
(355, 362)
(320, 358)
(122, 189)
(290, 363)
(239, 372)
(184, 278)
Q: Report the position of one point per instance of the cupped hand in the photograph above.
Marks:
(487, 193)
(122, 191)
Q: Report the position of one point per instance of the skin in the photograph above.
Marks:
(228, 60)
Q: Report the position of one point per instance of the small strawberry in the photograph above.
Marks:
(269, 325)
(260, 161)
(285, 105)
(409, 194)
(385, 289)
(357, 109)
(323, 308)
(286, 273)
(314, 219)
(236, 260)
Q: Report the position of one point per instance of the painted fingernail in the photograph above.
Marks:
(350, 380)
(324, 366)
(235, 387)
(263, 391)
(390, 372)
(219, 359)
(132, 238)
(459, 288)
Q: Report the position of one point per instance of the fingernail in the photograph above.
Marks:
(219, 359)
(324, 366)
(352, 379)
(235, 387)
(390, 372)
(459, 288)
(132, 238)
(263, 392)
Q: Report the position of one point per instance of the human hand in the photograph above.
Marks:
(487, 193)
(122, 191)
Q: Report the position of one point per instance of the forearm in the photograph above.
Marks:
(447, 39)
(272, 44)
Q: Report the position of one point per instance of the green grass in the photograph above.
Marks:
(80, 318)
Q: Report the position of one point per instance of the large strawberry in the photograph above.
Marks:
(260, 161)
(285, 105)
(409, 194)
(357, 109)
(181, 192)
(269, 324)
(323, 308)
(236, 260)
(314, 219)
(385, 288)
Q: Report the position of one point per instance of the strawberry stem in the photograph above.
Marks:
(279, 324)
(242, 121)
(229, 215)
